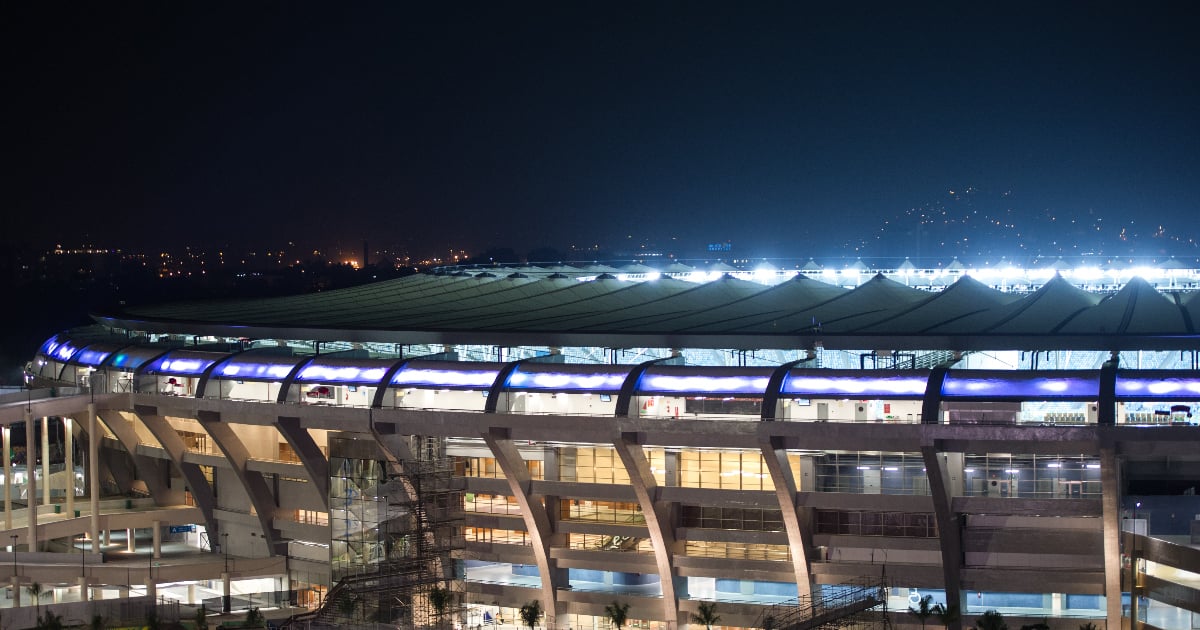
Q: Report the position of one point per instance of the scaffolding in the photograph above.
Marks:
(397, 523)
(858, 605)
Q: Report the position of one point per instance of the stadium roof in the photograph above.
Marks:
(517, 307)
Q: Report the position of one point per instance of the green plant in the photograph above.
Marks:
(201, 619)
(617, 613)
(706, 614)
(948, 614)
(152, 620)
(1041, 625)
(1087, 626)
(254, 619)
(440, 598)
(97, 623)
(924, 609)
(769, 622)
(35, 593)
(530, 613)
(49, 621)
(346, 605)
(991, 620)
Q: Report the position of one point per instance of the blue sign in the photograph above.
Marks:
(182, 529)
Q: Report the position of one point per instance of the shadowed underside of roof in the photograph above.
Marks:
(726, 312)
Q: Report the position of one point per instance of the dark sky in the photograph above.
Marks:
(785, 127)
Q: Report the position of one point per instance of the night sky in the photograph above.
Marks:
(788, 128)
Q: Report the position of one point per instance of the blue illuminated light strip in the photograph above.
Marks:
(445, 378)
(246, 370)
(64, 352)
(130, 361)
(662, 384)
(91, 357)
(1018, 387)
(1133, 387)
(187, 366)
(598, 382)
(357, 375)
(816, 386)
(50, 346)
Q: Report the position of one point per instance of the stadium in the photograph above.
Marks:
(815, 447)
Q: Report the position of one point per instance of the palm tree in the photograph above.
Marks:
(35, 593)
(706, 614)
(991, 620)
(98, 624)
(201, 618)
(1087, 626)
(924, 609)
(50, 622)
(947, 614)
(254, 619)
(530, 613)
(617, 613)
(440, 599)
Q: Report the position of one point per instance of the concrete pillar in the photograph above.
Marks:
(30, 469)
(16, 591)
(107, 537)
(151, 588)
(1110, 503)
(69, 459)
(130, 540)
(94, 477)
(226, 603)
(45, 460)
(191, 591)
(156, 545)
(8, 478)
(1056, 604)
(83, 589)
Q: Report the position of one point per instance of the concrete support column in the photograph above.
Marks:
(107, 537)
(45, 460)
(191, 591)
(156, 545)
(83, 589)
(658, 514)
(94, 477)
(31, 478)
(1110, 510)
(226, 604)
(151, 588)
(69, 460)
(16, 591)
(130, 540)
(795, 523)
(1056, 604)
(8, 478)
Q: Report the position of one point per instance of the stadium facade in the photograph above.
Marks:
(662, 438)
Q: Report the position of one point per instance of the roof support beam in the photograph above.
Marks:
(659, 523)
(173, 445)
(311, 457)
(533, 512)
(938, 470)
(252, 481)
(796, 524)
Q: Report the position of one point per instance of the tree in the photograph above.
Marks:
(201, 618)
(617, 613)
(924, 609)
(98, 624)
(769, 622)
(440, 599)
(991, 620)
(254, 619)
(706, 614)
(1087, 626)
(947, 614)
(35, 593)
(49, 621)
(530, 613)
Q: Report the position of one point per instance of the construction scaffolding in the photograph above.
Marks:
(859, 605)
(394, 526)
